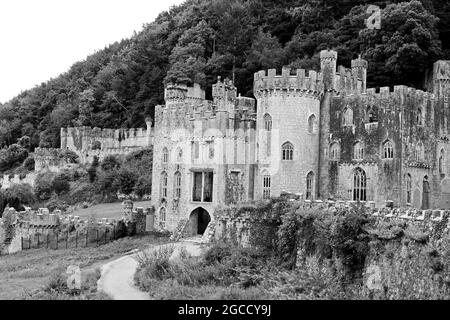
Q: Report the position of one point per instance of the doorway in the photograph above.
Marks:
(198, 221)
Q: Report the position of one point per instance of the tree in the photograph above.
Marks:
(125, 181)
(19, 195)
(61, 184)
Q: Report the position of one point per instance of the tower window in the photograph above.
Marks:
(162, 217)
(371, 114)
(359, 185)
(388, 150)
(203, 187)
(358, 151)
(441, 162)
(309, 186)
(165, 156)
(419, 117)
(408, 188)
(164, 183)
(312, 125)
(347, 117)
(177, 185)
(266, 186)
(419, 152)
(267, 122)
(287, 151)
(335, 151)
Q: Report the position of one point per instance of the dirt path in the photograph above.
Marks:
(117, 279)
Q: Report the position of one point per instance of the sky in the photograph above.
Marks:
(40, 39)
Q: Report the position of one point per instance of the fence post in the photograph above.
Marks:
(57, 241)
(87, 237)
(38, 241)
(106, 233)
(76, 240)
(97, 236)
(67, 238)
(47, 239)
(114, 232)
(21, 243)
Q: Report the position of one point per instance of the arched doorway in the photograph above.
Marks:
(426, 194)
(198, 221)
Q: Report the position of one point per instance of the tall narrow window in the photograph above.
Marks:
(441, 162)
(359, 185)
(211, 149)
(419, 117)
(388, 150)
(203, 187)
(419, 152)
(162, 217)
(335, 151)
(179, 158)
(195, 149)
(177, 185)
(310, 186)
(266, 187)
(371, 114)
(312, 124)
(358, 151)
(287, 151)
(347, 117)
(267, 122)
(164, 182)
(408, 188)
(165, 156)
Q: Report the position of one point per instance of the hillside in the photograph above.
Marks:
(201, 39)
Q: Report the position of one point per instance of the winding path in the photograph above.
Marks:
(117, 277)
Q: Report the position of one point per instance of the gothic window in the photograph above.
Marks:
(441, 162)
(177, 185)
(164, 183)
(388, 150)
(162, 217)
(419, 117)
(195, 149)
(203, 186)
(408, 188)
(179, 158)
(347, 117)
(418, 152)
(312, 125)
(211, 149)
(165, 156)
(309, 186)
(371, 114)
(358, 151)
(335, 151)
(359, 185)
(287, 151)
(267, 122)
(266, 186)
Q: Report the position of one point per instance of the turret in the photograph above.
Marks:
(328, 59)
(359, 67)
(149, 122)
(441, 77)
(223, 93)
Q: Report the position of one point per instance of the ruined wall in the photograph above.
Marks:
(7, 180)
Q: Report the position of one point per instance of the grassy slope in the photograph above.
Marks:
(28, 271)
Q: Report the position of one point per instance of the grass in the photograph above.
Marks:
(107, 210)
(25, 275)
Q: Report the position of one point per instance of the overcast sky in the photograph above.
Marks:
(40, 39)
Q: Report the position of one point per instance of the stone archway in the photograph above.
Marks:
(198, 221)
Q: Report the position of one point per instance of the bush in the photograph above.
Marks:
(69, 155)
(110, 163)
(125, 181)
(29, 163)
(43, 187)
(143, 186)
(105, 183)
(61, 184)
(12, 157)
(19, 195)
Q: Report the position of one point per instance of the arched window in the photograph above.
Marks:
(408, 188)
(347, 117)
(335, 151)
(287, 151)
(267, 122)
(371, 114)
(310, 186)
(359, 185)
(177, 185)
(312, 125)
(165, 156)
(266, 186)
(388, 150)
(162, 217)
(419, 117)
(164, 182)
(358, 151)
(441, 162)
(179, 158)
(418, 152)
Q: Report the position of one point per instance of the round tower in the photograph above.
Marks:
(359, 67)
(288, 117)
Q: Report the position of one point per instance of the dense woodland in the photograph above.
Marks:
(201, 39)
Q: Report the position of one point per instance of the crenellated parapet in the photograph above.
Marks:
(302, 82)
(180, 92)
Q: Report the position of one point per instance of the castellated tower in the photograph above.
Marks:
(288, 117)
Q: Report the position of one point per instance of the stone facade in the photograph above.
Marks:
(319, 135)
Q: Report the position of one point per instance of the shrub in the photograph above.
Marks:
(29, 163)
(43, 186)
(12, 157)
(109, 163)
(19, 195)
(69, 155)
(105, 183)
(143, 186)
(125, 181)
(61, 184)
(56, 204)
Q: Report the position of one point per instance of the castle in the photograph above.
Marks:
(320, 135)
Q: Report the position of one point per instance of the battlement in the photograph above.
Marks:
(349, 80)
(224, 90)
(303, 81)
(174, 92)
(328, 55)
(399, 91)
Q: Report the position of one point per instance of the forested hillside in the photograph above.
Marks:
(201, 39)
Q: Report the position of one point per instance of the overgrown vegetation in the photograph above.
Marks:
(313, 254)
